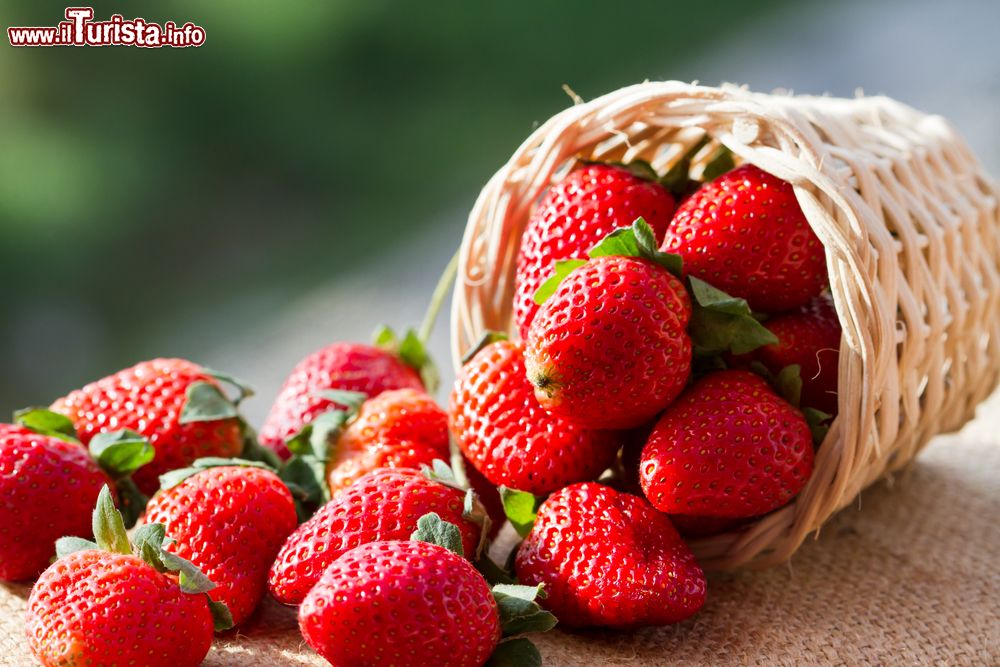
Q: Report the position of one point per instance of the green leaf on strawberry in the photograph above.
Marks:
(818, 424)
(175, 477)
(222, 619)
(108, 526)
(637, 241)
(433, 529)
(520, 611)
(206, 402)
(518, 652)
(242, 388)
(520, 507)
(563, 268)
(70, 545)
(46, 422)
(120, 453)
(787, 383)
(191, 579)
(723, 323)
(413, 351)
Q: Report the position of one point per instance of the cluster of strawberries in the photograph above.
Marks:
(649, 395)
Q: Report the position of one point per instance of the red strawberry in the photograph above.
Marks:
(342, 366)
(745, 234)
(402, 428)
(401, 603)
(152, 399)
(48, 488)
(509, 438)
(382, 505)
(809, 337)
(230, 521)
(99, 604)
(729, 447)
(609, 348)
(608, 558)
(576, 213)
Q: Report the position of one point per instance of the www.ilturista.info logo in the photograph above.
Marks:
(79, 29)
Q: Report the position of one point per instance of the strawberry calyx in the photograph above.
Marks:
(788, 384)
(519, 613)
(412, 350)
(118, 453)
(521, 508)
(637, 240)
(148, 545)
(723, 323)
(174, 477)
(473, 509)
(431, 528)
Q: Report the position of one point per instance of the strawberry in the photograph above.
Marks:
(230, 521)
(382, 505)
(729, 447)
(609, 348)
(175, 404)
(608, 558)
(809, 338)
(401, 428)
(745, 234)
(48, 488)
(113, 603)
(401, 603)
(340, 366)
(590, 203)
(509, 438)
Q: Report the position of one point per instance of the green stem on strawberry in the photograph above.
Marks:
(438, 298)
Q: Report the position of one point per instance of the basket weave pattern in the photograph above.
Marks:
(911, 227)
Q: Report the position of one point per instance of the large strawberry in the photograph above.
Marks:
(608, 558)
(175, 404)
(341, 366)
(509, 438)
(116, 604)
(609, 348)
(48, 488)
(577, 212)
(383, 505)
(401, 603)
(729, 447)
(745, 234)
(401, 428)
(810, 339)
(230, 521)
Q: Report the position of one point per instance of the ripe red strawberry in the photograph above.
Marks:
(99, 604)
(401, 603)
(401, 428)
(609, 348)
(608, 558)
(729, 447)
(48, 488)
(382, 505)
(230, 521)
(745, 234)
(151, 399)
(509, 438)
(809, 337)
(342, 366)
(590, 203)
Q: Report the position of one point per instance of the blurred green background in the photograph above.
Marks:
(163, 202)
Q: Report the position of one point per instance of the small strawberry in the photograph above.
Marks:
(401, 428)
(230, 521)
(401, 603)
(729, 447)
(440, 609)
(175, 404)
(608, 558)
(745, 234)
(609, 348)
(383, 505)
(809, 338)
(509, 438)
(48, 488)
(99, 604)
(341, 366)
(577, 212)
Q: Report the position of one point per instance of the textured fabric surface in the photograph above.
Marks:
(910, 579)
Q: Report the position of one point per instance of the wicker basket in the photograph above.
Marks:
(911, 227)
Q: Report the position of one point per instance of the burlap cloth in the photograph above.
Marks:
(910, 579)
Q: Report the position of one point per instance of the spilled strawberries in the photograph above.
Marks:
(672, 369)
